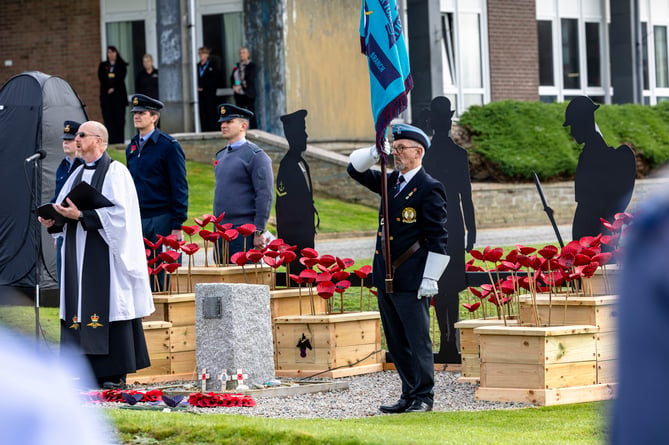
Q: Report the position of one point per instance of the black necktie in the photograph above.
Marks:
(398, 186)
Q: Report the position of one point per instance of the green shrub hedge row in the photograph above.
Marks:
(521, 137)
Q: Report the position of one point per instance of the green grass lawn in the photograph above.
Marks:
(568, 424)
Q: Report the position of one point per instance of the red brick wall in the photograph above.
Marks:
(514, 60)
(56, 37)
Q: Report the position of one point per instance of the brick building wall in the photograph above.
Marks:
(56, 37)
(512, 39)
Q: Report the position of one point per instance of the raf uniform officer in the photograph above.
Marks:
(244, 179)
(418, 237)
(158, 167)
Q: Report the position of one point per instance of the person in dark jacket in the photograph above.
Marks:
(146, 81)
(243, 80)
(157, 164)
(113, 94)
(208, 80)
(418, 238)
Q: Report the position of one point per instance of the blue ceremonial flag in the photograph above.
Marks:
(390, 80)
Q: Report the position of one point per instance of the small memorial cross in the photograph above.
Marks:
(239, 376)
(204, 376)
(224, 378)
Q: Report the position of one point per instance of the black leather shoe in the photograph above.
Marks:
(418, 407)
(399, 407)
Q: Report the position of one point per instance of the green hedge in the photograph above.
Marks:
(521, 137)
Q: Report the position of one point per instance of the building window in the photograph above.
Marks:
(593, 53)
(644, 54)
(661, 64)
(571, 67)
(545, 33)
(464, 57)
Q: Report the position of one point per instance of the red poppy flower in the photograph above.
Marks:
(171, 268)
(477, 293)
(341, 286)
(590, 241)
(169, 256)
(472, 268)
(581, 259)
(239, 258)
(603, 258)
(152, 261)
(269, 253)
(572, 247)
(171, 242)
(548, 252)
(492, 255)
(341, 275)
(373, 292)
(524, 282)
(345, 263)
(190, 230)
(591, 251)
(296, 278)
(288, 256)
(512, 255)
(611, 240)
(230, 234)
(566, 260)
(308, 252)
(363, 272)
(472, 307)
(325, 289)
(607, 225)
(308, 275)
(321, 267)
(215, 162)
(272, 262)
(246, 229)
(476, 254)
(525, 250)
(588, 270)
(275, 244)
(209, 236)
(327, 260)
(190, 249)
(308, 262)
(254, 255)
(133, 147)
(508, 286)
(323, 276)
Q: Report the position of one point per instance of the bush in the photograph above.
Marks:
(521, 137)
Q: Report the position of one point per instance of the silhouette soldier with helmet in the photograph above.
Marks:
(448, 163)
(605, 175)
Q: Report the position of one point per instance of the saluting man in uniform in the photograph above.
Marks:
(244, 178)
(418, 238)
(157, 164)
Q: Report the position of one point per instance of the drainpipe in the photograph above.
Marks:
(193, 51)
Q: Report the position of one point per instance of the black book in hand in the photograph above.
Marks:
(83, 195)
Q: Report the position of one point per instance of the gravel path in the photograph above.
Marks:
(363, 398)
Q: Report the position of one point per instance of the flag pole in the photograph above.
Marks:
(386, 227)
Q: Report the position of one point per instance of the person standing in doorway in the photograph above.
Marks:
(208, 80)
(146, 81)
(113, 94)
(243, 79)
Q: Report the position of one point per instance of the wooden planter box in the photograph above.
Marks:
(157, 335)
(541, 365)
(285, 302)
(342, 345)
(469, 346)
(600, 311)
(603, 282)
(262, 274)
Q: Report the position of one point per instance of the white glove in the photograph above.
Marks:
(428, 288)
(435, 265)
(362, 159)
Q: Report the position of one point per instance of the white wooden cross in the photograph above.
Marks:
(224, 378)
(204, 376)
(239, 376)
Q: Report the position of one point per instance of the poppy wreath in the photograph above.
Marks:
(194, 399)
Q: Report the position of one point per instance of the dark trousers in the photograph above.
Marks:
(152, 226)
(406, 325)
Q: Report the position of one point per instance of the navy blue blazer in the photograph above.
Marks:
(417, 213)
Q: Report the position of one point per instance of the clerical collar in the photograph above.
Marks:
(92, 165)
(237, 144)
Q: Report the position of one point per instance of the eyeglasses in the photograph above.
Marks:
(82, 135)
(400, 148)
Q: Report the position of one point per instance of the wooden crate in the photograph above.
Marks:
(250, 274)
(603, 282)
(183, 362)
(157, 335)
(178, 309)
(600, 311)
(286, 302)
(469, 343)
(538, 358)
(350, 342)
(548, 397)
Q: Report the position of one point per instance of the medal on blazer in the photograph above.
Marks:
(408, 215)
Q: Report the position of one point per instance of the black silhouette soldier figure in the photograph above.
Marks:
(295, 210)
(448, 162)
(605, 175)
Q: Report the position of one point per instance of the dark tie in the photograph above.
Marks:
(398, 186)
(141, 143)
